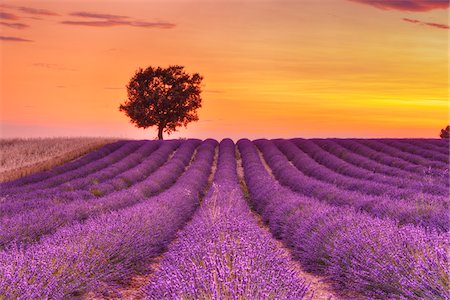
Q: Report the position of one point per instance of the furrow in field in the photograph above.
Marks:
(417, 150)
(222, 253)
(77, 163)
(440, 143)
(94, 188)
(45, 199)
(28, 227)
(362, 161)
(74, 185)
(34, 156)
(83, 171)
(424, 211)
(356, 251)
(106, 249)
(135, 287)
(428, 144)
(128, 162)
(393, 151)
(427, 174)
(311, 168)
(319, 287)
(395, 187)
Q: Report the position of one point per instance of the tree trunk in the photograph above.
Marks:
(160, 133)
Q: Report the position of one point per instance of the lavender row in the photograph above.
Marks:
(94, 178)
(358, 176)
(311, 168)
(412, 158)
(29, 226)
(92, 156)
(84, 170)
(46, 199)
(223, 253)
(107, 249)
(130, 161)
(370, 256)
(425, 211)
(363, 161)
(428, 174)
(441, 143)
(429, 144)
(141, 171)
(415, 149)
(130, 175)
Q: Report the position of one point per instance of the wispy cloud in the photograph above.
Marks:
(37, 11)
(15, 25)
(52, 66)
(411, 20)
(407, 5)
(108, 23)
(436, 25)
(8, 16)
(84, 14)
(110, 20)
(25, 9)
(13, 39)
(111, 23)
(163, 25)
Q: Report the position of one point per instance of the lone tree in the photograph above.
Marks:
(445, 133)
(166, 98)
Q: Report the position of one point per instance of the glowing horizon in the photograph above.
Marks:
(334, 68)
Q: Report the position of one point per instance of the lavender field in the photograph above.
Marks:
(263, 219)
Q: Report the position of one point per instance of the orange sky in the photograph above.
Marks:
(328, 68)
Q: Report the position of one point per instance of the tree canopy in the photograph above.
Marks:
(445, 133)
(164, 97)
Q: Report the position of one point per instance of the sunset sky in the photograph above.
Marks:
(299, 68)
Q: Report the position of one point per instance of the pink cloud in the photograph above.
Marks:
(108, 23)
(8, 16)
(15, 25)
(13, 39)
(163, 25)
(437, 25)
(411, 20)
(37, 11)
(406, 5)
(111, 23)
(83, 14)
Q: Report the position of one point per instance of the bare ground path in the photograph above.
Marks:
(320, 288)
(134, 290)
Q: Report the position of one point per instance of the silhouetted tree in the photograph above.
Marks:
(166, 98)
(445, 133)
